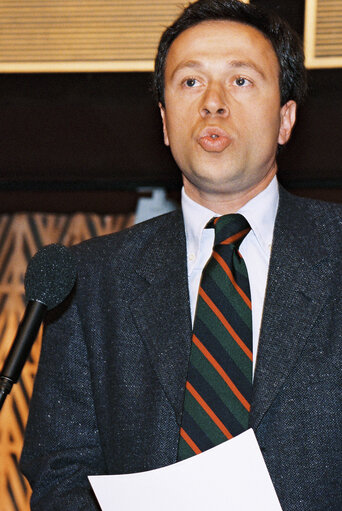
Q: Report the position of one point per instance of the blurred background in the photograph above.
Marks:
(81, 147)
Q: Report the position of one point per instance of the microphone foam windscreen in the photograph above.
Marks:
(50, 275)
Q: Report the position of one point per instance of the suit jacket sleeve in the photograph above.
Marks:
(62, 441)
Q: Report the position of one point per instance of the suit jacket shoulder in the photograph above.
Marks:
(124, 247)
(307, 218)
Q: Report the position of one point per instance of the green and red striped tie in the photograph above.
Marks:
(219, 383)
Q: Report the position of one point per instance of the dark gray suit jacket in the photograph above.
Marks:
(109, 391)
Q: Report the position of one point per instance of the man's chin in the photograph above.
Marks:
(215, 185)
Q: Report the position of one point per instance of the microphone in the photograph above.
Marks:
(49, 279)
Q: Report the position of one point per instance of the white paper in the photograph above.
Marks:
(230, 477)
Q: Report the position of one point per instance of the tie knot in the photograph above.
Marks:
(229, 229)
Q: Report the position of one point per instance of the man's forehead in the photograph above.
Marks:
(239, 44)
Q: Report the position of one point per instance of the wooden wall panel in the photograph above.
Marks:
(323, 33)
(87, 35)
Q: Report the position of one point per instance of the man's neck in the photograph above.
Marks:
(224, 203)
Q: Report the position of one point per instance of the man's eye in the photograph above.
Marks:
(190, 82)
(242, 82)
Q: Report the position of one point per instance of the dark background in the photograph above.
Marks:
(86, 141)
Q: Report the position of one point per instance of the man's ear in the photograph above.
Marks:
(163, 116)
(287, 121)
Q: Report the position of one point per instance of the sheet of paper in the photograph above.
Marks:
(230, 477)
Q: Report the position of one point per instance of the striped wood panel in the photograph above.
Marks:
(82, 35)
(74, 35)
(323, 33)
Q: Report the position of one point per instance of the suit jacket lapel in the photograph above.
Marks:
(162, 311)
(296, 292)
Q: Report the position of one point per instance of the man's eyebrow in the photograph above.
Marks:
(192, 64)
(241, 64)
(245, 64)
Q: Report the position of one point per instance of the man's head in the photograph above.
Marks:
(285, 42)
(228, 97)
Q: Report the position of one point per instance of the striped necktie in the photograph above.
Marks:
(219, 383)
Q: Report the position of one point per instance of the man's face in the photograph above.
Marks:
(222, 115)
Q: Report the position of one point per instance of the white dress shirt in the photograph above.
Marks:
(260, 212)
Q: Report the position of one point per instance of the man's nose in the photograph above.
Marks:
(214, 103)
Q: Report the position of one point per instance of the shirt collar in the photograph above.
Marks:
(196, 218)
(260, 212)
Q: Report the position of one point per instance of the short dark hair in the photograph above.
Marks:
(286, 43)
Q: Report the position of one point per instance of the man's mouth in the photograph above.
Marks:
(214, 139)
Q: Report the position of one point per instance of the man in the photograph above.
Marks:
(110, 391)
